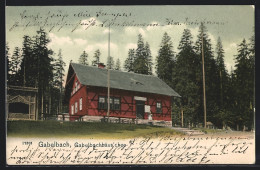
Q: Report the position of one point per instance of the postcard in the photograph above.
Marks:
(130, 85)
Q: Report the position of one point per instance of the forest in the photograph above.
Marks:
(230, 96)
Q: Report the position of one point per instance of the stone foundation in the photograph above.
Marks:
(126, 120)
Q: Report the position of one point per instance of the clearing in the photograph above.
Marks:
(90, 130)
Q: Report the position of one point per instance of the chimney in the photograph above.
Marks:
(101, 65)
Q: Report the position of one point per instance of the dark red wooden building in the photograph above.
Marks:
(131, 95)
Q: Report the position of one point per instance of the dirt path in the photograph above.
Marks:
(231, 134)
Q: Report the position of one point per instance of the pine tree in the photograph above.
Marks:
(45, 69)
(15, 60)
(8, 62)
(58, 79)
(141, 58)
(29, 65)
(58, 71)
(129, 62)
(231, 113)
(221, 69)
(15, 63)
(118, 65)
(110, 62)
(252, 67)
(83, 59)
(149, 58)
(96, 58)
(165, 60)
(244, 84)
(184, 80)
(211, 81)
(223, 83)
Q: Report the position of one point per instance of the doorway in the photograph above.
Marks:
(139, 109)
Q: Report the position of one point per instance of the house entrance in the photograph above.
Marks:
(139, 109)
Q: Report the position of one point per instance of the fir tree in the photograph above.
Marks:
(58, 71)
(211, 80)
(129, 62)
(8, 62)
(83, 59)
(29, 65)
(244, 85)
(149, 58)
(36, 67)
(184, 80)
(223, 83)
(165, 60)
(252, 66)
(110, 62)
(15, 63)
(96, 58)
(222, 76)
(118, 65)
(141, 58)
(58, 79)
(45, 69)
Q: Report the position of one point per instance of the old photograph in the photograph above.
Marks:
(130, 85)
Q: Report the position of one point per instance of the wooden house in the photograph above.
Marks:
(134, 96)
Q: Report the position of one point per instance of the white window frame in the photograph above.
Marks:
(76, 85)
(80, 103)
(76, 107)
(117, 103)
(72, 109)
(102, 102)
(159, 107)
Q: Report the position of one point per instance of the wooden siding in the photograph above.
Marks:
(90, 96)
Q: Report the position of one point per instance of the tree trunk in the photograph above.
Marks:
(221, 89)
(49, 104)
(181, 117)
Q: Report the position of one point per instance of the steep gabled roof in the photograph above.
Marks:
(94, 76)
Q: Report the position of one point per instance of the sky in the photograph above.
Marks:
(74, 29)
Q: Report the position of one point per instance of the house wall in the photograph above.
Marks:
(90, 96)
(80, 93)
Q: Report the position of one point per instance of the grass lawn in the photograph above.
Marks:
(84, 130)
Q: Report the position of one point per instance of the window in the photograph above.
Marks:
(111, 103)
(159, 107)
(80, 103)
(76, 107)
(72, 109)
(76, 85)
(116, 103)
(102, 102)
